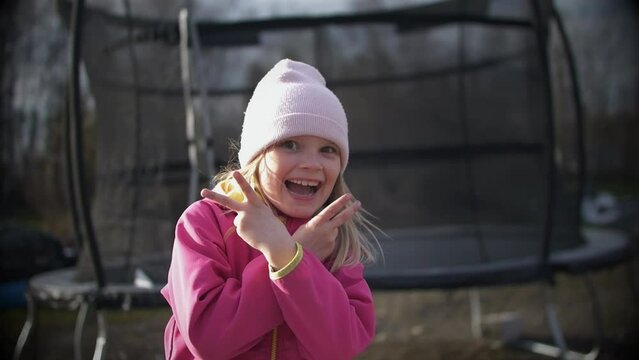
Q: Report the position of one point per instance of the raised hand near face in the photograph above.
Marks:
(256, 224)
(319, 234)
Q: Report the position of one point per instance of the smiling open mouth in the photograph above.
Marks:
(302, 187)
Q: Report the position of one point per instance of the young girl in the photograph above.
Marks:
(269, 264)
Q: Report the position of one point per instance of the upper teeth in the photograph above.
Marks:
(305, 182)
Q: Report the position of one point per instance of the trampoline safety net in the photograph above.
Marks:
(448, 124)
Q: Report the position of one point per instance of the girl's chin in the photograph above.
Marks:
(301, 211)
(298, 213)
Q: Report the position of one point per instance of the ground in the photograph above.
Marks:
(411, 324)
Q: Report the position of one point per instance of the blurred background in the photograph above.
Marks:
(137, 165)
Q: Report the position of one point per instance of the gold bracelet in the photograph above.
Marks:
(299, 253)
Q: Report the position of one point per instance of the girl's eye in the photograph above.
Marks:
(329, 149)
(289, 144)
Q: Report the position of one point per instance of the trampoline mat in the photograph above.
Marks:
(457, 256)
(134, 285)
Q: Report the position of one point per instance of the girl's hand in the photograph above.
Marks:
(319, 234)
(257, 225)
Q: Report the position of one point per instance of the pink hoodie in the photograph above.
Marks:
(225, 306)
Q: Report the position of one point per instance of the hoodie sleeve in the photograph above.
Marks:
(331, 314)
(218, 316)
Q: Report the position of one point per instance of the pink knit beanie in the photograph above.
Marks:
(292, 100)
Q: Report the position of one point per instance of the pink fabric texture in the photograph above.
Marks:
(292, 100)
(225, 306)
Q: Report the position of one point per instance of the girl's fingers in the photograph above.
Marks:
(333, 209)
(346, 214)
(221, 199)
(248, 191)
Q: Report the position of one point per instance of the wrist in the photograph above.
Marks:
(281, 254)
(276, 274)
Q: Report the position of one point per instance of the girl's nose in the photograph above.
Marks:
(311, 162)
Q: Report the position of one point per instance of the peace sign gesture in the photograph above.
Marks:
(256, 224)
(319, 234)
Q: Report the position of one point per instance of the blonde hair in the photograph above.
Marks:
(356, 239)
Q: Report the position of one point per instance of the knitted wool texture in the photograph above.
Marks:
(292, 100)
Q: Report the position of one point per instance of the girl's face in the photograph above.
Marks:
(299, 173)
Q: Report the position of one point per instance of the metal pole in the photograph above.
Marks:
(541, 31)
(77, 158)
(579, 113)
(188, 103)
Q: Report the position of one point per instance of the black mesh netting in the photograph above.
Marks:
(448, 124)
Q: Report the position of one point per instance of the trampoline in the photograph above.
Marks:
(453, 143)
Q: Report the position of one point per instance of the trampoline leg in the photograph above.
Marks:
(597, 319)
(475, 313)
(553, 322)
(564, 353)
(101, 340)
(29, 324)
(559, 349)
(79, 330)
